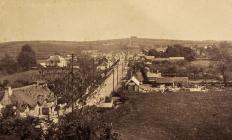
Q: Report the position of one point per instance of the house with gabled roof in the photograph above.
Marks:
(104, 63)
(56, 61)
(33, 100)
(132, 84)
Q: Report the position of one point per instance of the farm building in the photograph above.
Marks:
(89, 51)
(176, 58)
(151, 77)
(56, 61)
(161, 49)
(132, 84)
(161, 59)
(169, 59)
(168, 81)
(104, 64)
(32, 100)
(147, 58)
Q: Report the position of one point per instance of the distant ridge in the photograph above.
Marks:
(48, 47)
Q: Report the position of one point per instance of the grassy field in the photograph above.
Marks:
(196, 116)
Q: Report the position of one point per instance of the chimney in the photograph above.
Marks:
(9, 91)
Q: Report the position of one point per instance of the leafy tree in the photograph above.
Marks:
(26, 58)
(84, 124)
(8, 111)
(224, 66)
(87, 66)
(180, 51)
(23, 128)
(214, 53)
(8, 64)
(194, 71)
(173, 50)
(71, 85)
(153, 52)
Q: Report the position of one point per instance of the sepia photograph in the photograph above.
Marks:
(115, 69)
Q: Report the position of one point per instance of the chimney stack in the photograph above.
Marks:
(9, 90)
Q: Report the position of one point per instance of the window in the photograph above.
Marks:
(45, 111)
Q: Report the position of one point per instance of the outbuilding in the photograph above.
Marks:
(132, 85)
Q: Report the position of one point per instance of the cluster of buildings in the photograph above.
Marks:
(148, 81)
(37, 100)
(155, 82)
(102, 60)
(104, 63)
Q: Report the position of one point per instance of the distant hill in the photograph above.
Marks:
(45, 48)
(151, 43)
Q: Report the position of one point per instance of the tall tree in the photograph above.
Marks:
(225, 64)
(179, 50)
(153, 52)
(214, 53)
(26, 58)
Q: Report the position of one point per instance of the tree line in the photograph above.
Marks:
(220, 62)
(175, 51)
(25, 60)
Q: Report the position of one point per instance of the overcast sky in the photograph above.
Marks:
(79, 20)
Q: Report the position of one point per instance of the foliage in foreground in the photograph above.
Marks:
(86, 124)
(23, 128)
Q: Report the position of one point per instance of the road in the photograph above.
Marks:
(108, 86)
(105, 89)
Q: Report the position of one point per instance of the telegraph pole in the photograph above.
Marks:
(117, 74)
(93, 71)
(113, 79)
(72, 83)
(122, 68)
